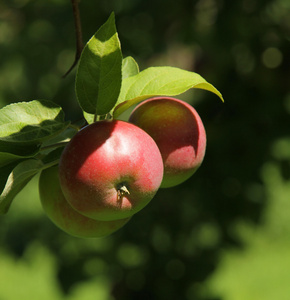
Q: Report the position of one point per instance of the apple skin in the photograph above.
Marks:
(110, 170)
(64, 216)
(179, 133)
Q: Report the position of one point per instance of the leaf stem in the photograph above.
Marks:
(56, 145)
(77, 128)
(51, 164)
(79, 35)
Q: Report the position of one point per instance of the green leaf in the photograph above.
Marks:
(17, 180)
(7, 158)
(99, 74)
(159, 81)
(130, 67)
(57, 141)
(25, 125)
(14, 177)
(4, 173)
(52, 157)
(90, 118)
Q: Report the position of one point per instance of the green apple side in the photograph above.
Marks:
(64, 216)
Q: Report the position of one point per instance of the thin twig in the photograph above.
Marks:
(79, 35)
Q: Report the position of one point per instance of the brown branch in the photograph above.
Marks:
(79, 35)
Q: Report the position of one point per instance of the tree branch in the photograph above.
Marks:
(79, 35)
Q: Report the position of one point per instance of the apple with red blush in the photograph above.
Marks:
(178, 131)
(110, 170)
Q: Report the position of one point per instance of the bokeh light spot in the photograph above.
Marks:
(272, 57)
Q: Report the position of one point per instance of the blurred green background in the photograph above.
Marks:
(222, 235)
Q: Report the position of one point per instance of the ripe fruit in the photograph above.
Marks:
(64, 216)
(110, 170)
(178, 132)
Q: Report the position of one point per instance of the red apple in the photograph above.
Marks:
(110, 170)
(64, 216)
(179, 133)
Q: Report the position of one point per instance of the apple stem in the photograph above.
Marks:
(122, 191)
(108, 116)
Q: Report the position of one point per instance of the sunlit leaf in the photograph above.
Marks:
(25, 125)
(99, 74)
(130, 67)
(159, 81)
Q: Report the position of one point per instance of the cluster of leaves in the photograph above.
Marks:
(34, 133)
